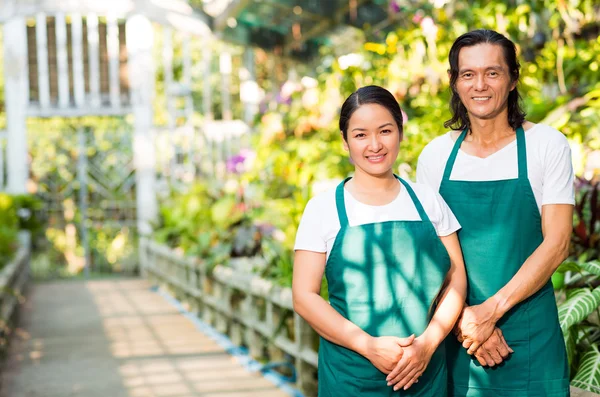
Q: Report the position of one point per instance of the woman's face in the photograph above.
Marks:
(373, 139)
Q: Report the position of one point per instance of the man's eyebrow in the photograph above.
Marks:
(494, 67)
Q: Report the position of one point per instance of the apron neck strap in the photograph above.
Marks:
(415, 200)
(453, 154)
(522, 153)
(341, 204)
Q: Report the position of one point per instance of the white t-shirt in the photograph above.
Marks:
(549, 165)
(320, 223)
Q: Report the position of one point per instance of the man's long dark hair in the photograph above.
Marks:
(460, 117)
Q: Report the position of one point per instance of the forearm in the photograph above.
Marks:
(449, 308)
(531, 277)
(328, 323)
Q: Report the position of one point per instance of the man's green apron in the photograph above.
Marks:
(383, 277)
(501, 227)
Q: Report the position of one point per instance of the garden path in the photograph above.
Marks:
(117, 338)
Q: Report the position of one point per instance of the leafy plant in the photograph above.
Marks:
(586, 232)
(579, 317)
(10, 224)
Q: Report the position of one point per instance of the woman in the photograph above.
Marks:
(386, 247)
(510, 183)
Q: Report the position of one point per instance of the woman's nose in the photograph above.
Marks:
(375, 143)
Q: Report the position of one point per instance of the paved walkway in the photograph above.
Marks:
(117, 339)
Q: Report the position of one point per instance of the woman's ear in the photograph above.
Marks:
(344, 142)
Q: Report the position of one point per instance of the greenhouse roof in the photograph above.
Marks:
(298, 27)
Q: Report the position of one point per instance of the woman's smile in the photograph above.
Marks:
(376, 158)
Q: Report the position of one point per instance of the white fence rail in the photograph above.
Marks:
(13, 278)
(252, 311)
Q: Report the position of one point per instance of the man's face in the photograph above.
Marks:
(483, 82)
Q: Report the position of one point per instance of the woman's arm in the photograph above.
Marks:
(383, 352)
(417, 356)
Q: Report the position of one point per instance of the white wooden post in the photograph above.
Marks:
(15, 84)
(249, 91)
(94, 58)
(78, 74)
(167, 53)
(140, 37)
(206, 88)
(225, 68)
(189, 104)
(41, 37)
(112, 44)
(207, 101)
(62, 60)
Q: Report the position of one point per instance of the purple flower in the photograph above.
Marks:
(236, 164)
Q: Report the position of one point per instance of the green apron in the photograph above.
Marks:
(501, 227)
(384, 278)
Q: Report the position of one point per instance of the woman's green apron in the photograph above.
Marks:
(383, 277)
(501, 227)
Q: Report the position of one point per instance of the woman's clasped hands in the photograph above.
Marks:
(411, 366)
(384, 352)
(403, 359)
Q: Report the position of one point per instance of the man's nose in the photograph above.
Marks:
(480, 83)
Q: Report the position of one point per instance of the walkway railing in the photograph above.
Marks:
(13, 278)
(252, 311)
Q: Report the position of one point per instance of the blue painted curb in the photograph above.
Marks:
(238, 352)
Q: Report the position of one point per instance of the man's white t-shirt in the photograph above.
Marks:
(549, 165)
(320, 223)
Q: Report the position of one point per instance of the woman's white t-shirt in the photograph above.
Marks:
(320, 223)
(549, 165)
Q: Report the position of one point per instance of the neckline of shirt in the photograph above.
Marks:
(512, 144)
(349, 197)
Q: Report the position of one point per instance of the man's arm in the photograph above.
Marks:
(557, 224)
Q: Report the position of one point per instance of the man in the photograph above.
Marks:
(510, 184)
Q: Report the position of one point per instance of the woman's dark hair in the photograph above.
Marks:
(460, 117)
(366, 95)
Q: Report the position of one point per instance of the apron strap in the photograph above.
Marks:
(415, 200)
(341, 204)
(453, 154)
(522, 154)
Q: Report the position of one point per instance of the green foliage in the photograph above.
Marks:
(588, 375)
(581, 302)
(586, 236)
(577, 282)
(9, 227)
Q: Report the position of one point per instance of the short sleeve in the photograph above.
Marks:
(558, 175)
(309, 236)
(446, 223)
(430, 165)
